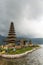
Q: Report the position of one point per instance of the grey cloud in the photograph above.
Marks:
(17, 10)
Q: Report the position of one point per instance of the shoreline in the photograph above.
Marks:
(17, 55)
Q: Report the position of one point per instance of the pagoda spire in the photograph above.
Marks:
(11, 35)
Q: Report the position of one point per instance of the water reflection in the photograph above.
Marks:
(34, 58)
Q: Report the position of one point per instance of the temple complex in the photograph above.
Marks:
(11, 39)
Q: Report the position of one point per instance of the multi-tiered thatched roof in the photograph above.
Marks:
(11, 35)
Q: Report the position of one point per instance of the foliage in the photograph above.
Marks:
(1, 49)
(19, 51)
(36, 45)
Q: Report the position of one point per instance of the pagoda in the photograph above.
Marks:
(11, 35)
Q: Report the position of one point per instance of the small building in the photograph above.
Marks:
(22, 43)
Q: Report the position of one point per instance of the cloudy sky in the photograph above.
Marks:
(27, 16)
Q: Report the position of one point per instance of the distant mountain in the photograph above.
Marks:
(37, 40)
(2, 39)
(34, 40)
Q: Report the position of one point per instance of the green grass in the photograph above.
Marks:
(19, 51)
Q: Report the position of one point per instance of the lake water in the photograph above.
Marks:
(34, 58)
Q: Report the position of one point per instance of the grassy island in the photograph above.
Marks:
(17, 51)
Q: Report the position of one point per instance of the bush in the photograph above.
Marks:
(1, 49)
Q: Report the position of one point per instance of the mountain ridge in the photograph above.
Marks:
(34, 40)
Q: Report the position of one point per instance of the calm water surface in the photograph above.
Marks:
(34, 58)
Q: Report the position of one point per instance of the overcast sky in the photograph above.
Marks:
(27, 16)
